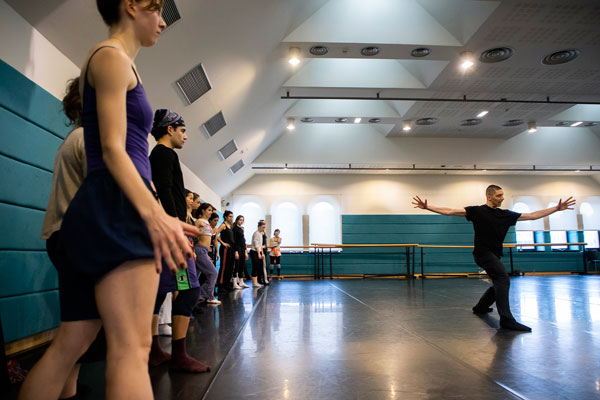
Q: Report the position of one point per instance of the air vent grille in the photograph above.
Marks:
(228, 149)
(496, 55)
(420, 52)
(470, 122)
(236, 167)
(560, 57)
(513, 122)
(427, 121)
(170, 13)
(370, 51)
(215, 124)
(319, 50)
(194, 84)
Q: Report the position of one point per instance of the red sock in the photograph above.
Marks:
(181, 361)
(157, 355)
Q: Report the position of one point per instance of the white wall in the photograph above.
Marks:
(392, 194)
(26, 50)
(195, 184)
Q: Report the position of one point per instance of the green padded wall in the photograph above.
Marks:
(33, 126)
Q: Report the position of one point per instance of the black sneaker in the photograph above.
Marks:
(481, 310)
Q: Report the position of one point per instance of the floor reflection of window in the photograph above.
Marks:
(529, 306)
(562, 308)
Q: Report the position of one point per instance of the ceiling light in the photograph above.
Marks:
(341, 120)
(285, 168)
(577, 123)
(420, 52)
(466, 60)
(370, 51)
(307, 120)
(357, 120)
(294, 56)
(290, 124)
(470, 122)
(406, 126)
(318, 50)
(482, 114)
(531, 127)
(426, 121)
(375, 120)
(513, 122)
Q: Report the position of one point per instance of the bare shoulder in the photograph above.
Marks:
(108, 64)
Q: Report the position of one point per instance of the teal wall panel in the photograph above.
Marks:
(29, 314)
(24, 272)
(23, 184)
(32, 126)
(32, 103)
(26, 142)
(21, 228)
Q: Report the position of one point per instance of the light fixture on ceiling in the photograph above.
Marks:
(285, 168)
(370, 51)
(319, 50)
(341, 120)
(294, 56)
(290, 126)
(420, 52)
(482, 114)
(531, 126)
(466, 60)
(374, 120)
(427, 121)
(357, 120)
(577, 123)
(307, 120)
(406, 126)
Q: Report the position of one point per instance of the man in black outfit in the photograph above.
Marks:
(491, 224)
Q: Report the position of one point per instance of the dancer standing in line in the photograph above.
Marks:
(241, 253)
(203, 262)
(256, 254)
(226, 253)
(491, 223)
(275, 245)
(169, 132)
(114, 234)
(214, 243)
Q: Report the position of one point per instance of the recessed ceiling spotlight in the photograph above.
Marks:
(496, 55)
(374, 120)
(426, 121)
(466, 60)
(531, 126)
(513, 122)
(420, 52)
(470, 122)
(319, 50)
(307, 120)
(294, 56)
(482, 114)
(357, 120)
(290, 124)
(563, 123)
(406, 126)
(560, 57)
(341, 120)
(590, 124)
(577, 123)
(370, 51)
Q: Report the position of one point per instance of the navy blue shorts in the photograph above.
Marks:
(100, 231)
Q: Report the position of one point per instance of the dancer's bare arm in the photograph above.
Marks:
(562, 205)
(422, 204)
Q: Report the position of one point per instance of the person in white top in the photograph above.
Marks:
(201, 248)
(256, 254)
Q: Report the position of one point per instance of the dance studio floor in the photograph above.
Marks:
(392, 339)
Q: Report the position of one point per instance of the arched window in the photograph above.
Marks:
(560, 223)
(524, 230)
(324, 222)
(286, 217)
(252, 212)
(526, 204)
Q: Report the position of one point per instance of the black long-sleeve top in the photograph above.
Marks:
(168, 179)
(239, 240)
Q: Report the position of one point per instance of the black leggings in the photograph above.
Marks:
(183, 304)
(498, 292)
(257, 264)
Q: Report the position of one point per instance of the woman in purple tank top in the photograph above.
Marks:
(115, 232)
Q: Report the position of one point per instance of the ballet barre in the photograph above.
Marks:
(320, 257)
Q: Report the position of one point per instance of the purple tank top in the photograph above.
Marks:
(139, 123)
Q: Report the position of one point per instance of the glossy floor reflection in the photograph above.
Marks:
(389, 339)
(392, 339)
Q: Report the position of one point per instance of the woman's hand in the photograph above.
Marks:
(237, 255)
(226, 245)
(168, 236)
(246, 254)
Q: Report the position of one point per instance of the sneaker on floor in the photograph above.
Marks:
(514, 325)
(213, 302)
(165, 330)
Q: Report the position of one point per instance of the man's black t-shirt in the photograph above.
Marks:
(491, 226)
(168, 179)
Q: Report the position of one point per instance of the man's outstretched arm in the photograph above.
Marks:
(566, 205)
(422, 204)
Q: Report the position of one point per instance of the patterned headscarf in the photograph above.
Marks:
(164, 118)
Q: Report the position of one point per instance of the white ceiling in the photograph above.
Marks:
(244, 45)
